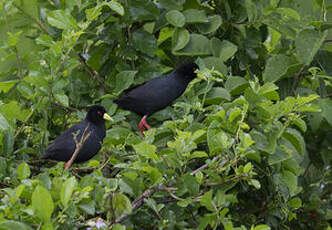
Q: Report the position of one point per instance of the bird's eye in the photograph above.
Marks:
(99, 113)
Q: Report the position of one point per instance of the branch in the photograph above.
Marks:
(92, 72)
(72, 109)
(204, 166)
(224, 181)
(79, 145)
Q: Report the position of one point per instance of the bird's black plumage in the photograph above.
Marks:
(157, 93)
(63, 147)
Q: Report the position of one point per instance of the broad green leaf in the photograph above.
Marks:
(215, 64)
(191, 184)
(141, 10)
(206, 200)
(165, 33)
(296, 139)
(295, 203)
(88, 207)
(13, 225)
(66, 191)
(5, 86)
(214, 23)
(61, 19)
(180, 39)
(223, 49)
(251, 10)
(195, 16)
(3, 122)
(247, 168)
(42, 203)
(288, 13)
(121, 204)
(254, 183)
(93, 13)
(216, 95)
(172, 4)
(123, 80)
(300, 124)
(276, 67)
(145, 42)
(146, 150)
(307, 43)
(234, 113)
(117, 7)
(289, 180)
(176, 18)
(325, 105)
(197, 45)
(261, 227)
(324, 58)
(63, 99)
(13, 110)
(278, 156)
(23, 171)
(236, 85)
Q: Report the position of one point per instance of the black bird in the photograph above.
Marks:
(63, 147)
(157, 93)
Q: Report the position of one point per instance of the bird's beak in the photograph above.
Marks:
(199, 75)
(107, 117)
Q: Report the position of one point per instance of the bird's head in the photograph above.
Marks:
(97, 114)
(187, 70)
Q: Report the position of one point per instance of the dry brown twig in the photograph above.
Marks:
(79, 145)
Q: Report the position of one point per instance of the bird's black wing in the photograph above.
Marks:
(64, 145)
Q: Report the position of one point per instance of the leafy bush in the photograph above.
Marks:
(250, 148)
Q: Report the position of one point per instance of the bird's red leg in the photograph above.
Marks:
(143, 123)
(66, 165)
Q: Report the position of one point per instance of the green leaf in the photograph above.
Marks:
(254, 183)
(296, 139)
(261, 227)
(251, 10)
(146, 150)
(216, 64)
(206, 200)
(191, 184)
(288, 12)
(115, 6)
(325, 104)
(145, 42)
(165, 33)
(5, 86)
(214, 22)
(141, 10)
(88, 207)
(324, 58)
(23, 171)
(42, 203)
(3, 123)
(195, 16)
(236, 85)
(197, 45)
(222, 49)
(172, 4)
(176, 18)
(216, 95)
(276, 67)
(295, 203)
(300, 124)
(289, 180)
(13, 225)
(180, 39)
(61, 19)
(121, 205)
(247, 167)
(63, 99)
(66, 191)
(123, 80)
(278, 156)
(307, 43)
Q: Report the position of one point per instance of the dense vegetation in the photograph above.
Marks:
(249, 148)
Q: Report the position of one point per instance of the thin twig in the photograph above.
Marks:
(204, 166)
(79, 145)
(224, 181)
(92, 72)
(72, 109)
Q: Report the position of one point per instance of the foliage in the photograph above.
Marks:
(250, 148)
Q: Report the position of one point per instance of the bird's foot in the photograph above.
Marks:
(66, 165)
(143, 123)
